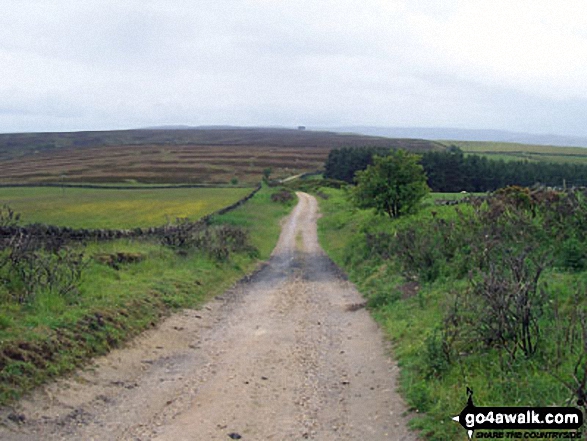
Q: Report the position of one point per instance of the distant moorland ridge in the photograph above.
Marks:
(190, 155)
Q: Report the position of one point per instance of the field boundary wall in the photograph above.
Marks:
(51, 233)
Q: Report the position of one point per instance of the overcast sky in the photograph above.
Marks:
(490, 64)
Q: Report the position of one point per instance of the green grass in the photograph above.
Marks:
(258, 216)
(448, 196)
(116, 209)
(515, 152)
(434, 390)
(52, 335)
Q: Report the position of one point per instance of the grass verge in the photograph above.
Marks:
(52, 335)
(413, 313)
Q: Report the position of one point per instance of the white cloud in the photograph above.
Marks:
(119, 64)
(535, 46)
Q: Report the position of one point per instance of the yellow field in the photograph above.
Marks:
(105, 208)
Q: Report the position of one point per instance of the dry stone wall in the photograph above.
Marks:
(51, 233)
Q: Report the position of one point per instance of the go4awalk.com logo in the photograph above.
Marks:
(520, 422)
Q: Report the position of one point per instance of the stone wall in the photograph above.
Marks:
(51, 233)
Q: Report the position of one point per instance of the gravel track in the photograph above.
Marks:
(287, 354)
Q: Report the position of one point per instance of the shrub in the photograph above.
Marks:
(8, 218)
(572, 255)
(36, 259)
(436, 355)
(516, 195)
(26, 269)
(502, 307)
(181, 234)
(216, 241)
(283, 196)
(394, 184)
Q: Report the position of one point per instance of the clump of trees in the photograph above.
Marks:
(343, 163)
(453, 171)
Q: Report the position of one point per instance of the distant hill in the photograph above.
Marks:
(176, 155)
(432, 133)
(19, 144)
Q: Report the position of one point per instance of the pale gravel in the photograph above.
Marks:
(278, 357)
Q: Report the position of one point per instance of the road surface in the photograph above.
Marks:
(288, 354)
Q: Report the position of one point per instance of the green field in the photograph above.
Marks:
(516, 152)
(104, 208)
(51, 333)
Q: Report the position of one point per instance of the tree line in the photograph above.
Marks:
(453, 171)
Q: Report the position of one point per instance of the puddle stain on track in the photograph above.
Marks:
(280, 356)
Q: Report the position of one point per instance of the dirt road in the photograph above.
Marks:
(282, 356)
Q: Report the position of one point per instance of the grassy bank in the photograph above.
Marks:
(50, 333)
(426, 288)
(116, 209)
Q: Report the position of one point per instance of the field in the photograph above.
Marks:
(175, 156)
(53, 332)
(115, 209)
(46, 330)
(517, 152)
(211, 156)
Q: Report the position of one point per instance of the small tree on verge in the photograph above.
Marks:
(394, 184)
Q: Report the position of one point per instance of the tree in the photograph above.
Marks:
(343, 163)
(394, 184)
(452, 170)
